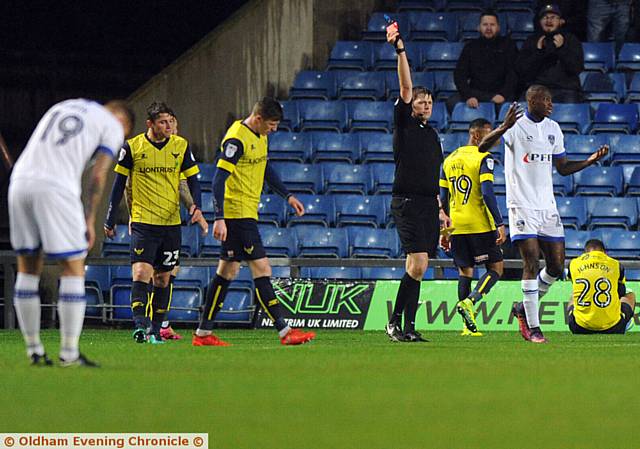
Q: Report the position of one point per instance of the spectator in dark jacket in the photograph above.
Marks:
(574, 14)
(552, 57)
(485, 70)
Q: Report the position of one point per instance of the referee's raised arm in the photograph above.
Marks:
(404, 71)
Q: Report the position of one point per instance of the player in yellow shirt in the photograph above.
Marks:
(154, 160)
(242, 168)
(601, 303)
(466, 192)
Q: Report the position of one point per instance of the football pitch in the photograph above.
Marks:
(347, 389)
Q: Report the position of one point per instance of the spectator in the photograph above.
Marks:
(553, 58)
(574, 13)
(475, 78)
(602, 13)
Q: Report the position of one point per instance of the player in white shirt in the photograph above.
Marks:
(533, 146)
(46, 215)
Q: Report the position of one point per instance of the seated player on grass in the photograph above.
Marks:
(601, 303)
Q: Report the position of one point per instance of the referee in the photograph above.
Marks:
(415, 204)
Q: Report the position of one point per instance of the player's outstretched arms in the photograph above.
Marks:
(513, 114)
(566, 167)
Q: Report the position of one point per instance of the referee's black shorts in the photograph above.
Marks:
(418, 223)
(474, 249)
(626, 315)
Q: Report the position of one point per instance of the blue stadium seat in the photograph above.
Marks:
(444, 85)
(615, 118)
(348, 178)
(468, 25)
(198, 276)
(322, 115)
(121, 274)
(318, 209)
(515, 5)
(272, 209)
(462, 115)
(377, 25)
(626, 150)
(574, 241)
(383, 175)
(439, 116)
(520, 25)
(360, 210)
(280, 271)
(185, 304)
(421, 5)
(573, 212)
(190, 246)
(331, 272)
(207, 206)
(314, 241)
(562, 185)
(572, 118)
(119, 245)
(98, 276)
(633, 186)
(450, 142)
(580, 147)
(371, 116)
(499, 182)
(347, 55)
(385, 273)
(598, 56)
(633, 93)
(433, 26)
(596, 180)
(632, 274)
(290, 116)
(364, 85)
(376, 147)
(210, 246)
(467, 6)
(205, 177)
(505, 107)
(238, 306)
(385, 57)
(603, 87)
(441, 55)
(313, 84)
(120, 295)
(95, 303)
(629, 57)
(424, 79)
(329, 146)
(287, 146)
(279, 242)
(614, 212)
(373, 243)
(621, 244)
(301, 178)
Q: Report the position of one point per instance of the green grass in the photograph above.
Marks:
(345, 390)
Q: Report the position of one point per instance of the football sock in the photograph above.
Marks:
(270, 304)
(165, 324)
(27, 303)
(408, 286)
(545, 280)
(215, 297)
(530, 301)
(71, 307)
(484, 285)
(159, 306)
(139, 299)
(411, 293)
(464, 287)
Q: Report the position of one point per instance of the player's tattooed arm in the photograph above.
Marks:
(565, 167)
(128, 198)
(513, 114)
(94, 193)
(185, 194)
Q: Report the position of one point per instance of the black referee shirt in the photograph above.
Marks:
(417, 154)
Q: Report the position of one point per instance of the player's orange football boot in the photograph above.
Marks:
(297, 337)
(208, 340)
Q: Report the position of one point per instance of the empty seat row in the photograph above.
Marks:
(619, 243)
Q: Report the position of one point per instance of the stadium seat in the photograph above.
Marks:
(329, 146)
(119, 245)
(238, 307)
(621, 244)
(625, 150)
(572, 118)
(581, 146)
(515, 5)
(615, 118)
(313, 84)
(198, 276)
(462, 115)
(288, 146)
(499, 182)
(376, 147)
(505, 107)
(598, 56)
(314, 241)
(347, 55)
(95, 303)
(348, 178)
(364, 85)
(331, 272)
(574, 241)
(205, 177)
(207, 206)
(562, 185)
(424, 79)
(185, 304)
(450, 142)
(385, 57)
(98, 276)
(272, 209)
(190, 246)
(603, 87)
(290, 116)
(373, 243)
(383, 273)
(629, 57)
(433, 26)
(439, 117)
(441, 55)
(322, 115)
(377, 26)
(596, 180)
(280, 271)
(210, 246)
(468, 6)
(502, 207)
(614, 212)
(97, 282)
(318, 209)
(421, 5)
(279, 242)
(633, 93)
(520, 25)
(633, 186)
(444, 85)
(120, 295)
(301, 178)
(370, 116)
(573, 212)
(121, 274)
(383, 175)
(360, 210)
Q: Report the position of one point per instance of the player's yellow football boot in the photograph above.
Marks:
(465, 309)
(467, 333)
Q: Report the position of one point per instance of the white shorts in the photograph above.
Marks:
(544, 225)
(46, 218)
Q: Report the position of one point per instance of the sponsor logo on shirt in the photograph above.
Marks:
(552, 139)
(536, 158)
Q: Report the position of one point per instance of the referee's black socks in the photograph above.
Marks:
(270, 304)
(159, 306)
(216, 293)
(484, 284)
(139, 298)
(407, 298)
